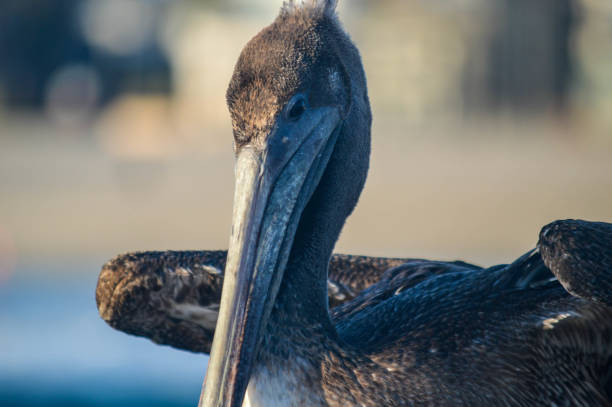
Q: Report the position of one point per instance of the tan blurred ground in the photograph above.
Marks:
(469, 196)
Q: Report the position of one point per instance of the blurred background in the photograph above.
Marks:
(491, 118)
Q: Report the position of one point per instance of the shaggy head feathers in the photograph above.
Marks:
(302, 51)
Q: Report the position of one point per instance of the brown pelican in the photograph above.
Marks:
(507, 335)
(301, 122)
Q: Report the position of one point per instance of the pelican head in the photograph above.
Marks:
(301, 125)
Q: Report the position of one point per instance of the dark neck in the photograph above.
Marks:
(302, 301)
(302, 298)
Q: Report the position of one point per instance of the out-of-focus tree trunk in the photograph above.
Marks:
(525, 64)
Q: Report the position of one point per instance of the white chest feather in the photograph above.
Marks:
(278, 387)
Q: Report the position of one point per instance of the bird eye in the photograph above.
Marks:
(295, 108)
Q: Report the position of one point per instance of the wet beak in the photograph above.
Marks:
(273, 185)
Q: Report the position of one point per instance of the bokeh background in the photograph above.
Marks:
(491, 118)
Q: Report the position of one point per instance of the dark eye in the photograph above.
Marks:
(296, 107)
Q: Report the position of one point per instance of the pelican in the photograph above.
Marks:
(301, 123)
(515, 335)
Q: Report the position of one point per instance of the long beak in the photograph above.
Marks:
(273, 185)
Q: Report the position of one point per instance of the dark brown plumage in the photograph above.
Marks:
(158, 295)
(579, 253)
(141, 293)
(136, 291)
(172, 297)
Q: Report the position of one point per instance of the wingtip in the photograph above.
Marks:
(579, 253)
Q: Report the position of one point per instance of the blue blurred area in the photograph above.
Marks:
(40, 40)
(56, 351)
